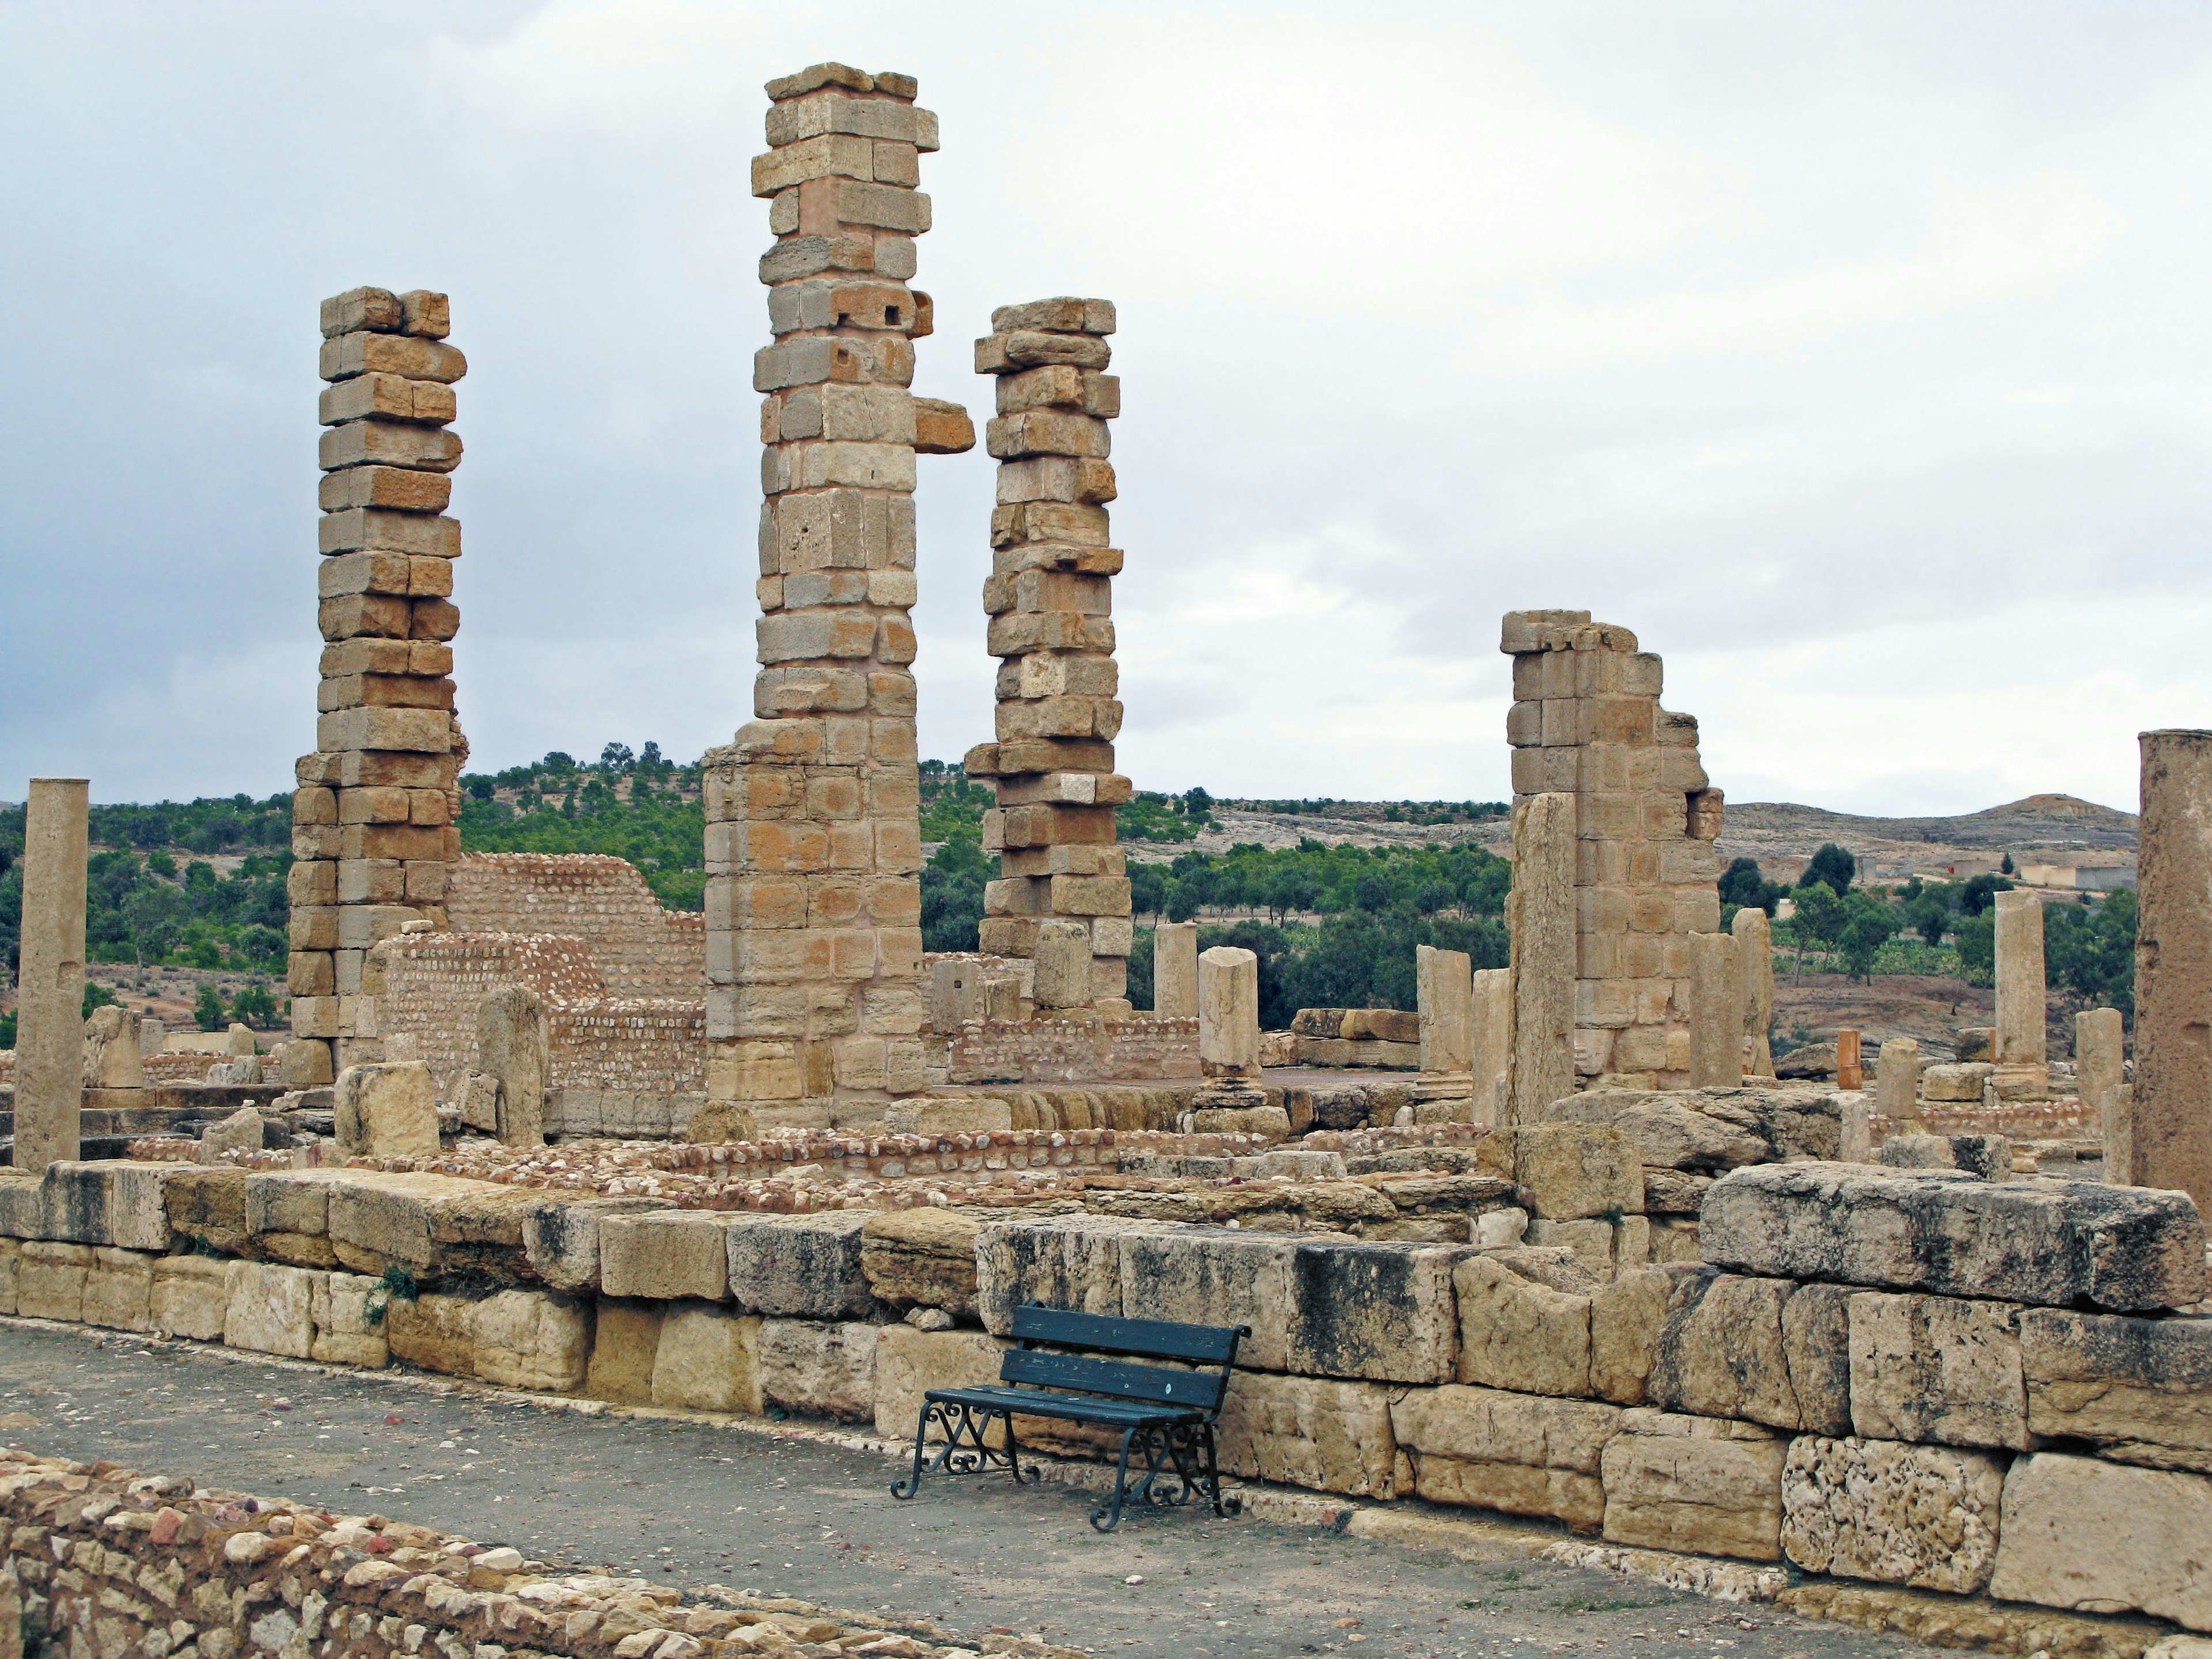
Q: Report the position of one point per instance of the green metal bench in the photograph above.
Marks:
(1166, 1414)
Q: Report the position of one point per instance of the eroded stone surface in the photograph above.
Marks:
(1923, 1516)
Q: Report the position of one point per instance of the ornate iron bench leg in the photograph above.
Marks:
(911, 1483)
(1014, 1454)
(1222, 1506)
(1120, 1488)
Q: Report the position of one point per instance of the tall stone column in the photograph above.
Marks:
(2021, 1044)
(1174, 970)
(373, 819)
(1229, 1013)
(1492, 1062)
(1754, 956)
(50, 976)
(815, 1001)
(1443, 984)
(1541, 917)
(1715, 1012)
(2099, 1043)
(1050, 599)
(2170, 1113)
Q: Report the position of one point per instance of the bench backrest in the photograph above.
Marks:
(1121, 1379)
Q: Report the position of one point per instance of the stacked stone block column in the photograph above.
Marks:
(1587, 723)
(1050, 599)
(815, 998)
(49, 975)
(374, 830)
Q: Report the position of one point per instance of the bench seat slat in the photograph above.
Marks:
(1159, 1338)
(1116, 1378)
(1037, 1402)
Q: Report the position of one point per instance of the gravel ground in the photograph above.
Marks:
(703, 1504)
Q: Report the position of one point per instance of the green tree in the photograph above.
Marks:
(1741, 885)
(1831, 865)
(1980, 892)
(1868, 924)
(952, 894)
(2089, 949)
(207, 1009)
(97, 995)
(1975, 938)
(255, 1006)
(1818, 919)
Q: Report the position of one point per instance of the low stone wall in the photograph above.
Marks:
(1083, 1048)
(103, 1560)
(639, 949)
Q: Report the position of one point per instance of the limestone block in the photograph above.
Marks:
(1671, 1193)
(1505, 1451)
(192, 1296)
(2049, 1242)
(922, 1257)
(434, 1331)
(1936, 1367)
(1569, 1170)
(11, 1262)
(112, 1057)
(513, 1046)
(1722, 1354)
(1215, 1276)
(241, 1131)
(908, 1362)
(561, 1240)
(1816, 1340)
(1701, 1485)
(1517, 1333)
(208, 1204)
(22, 1204)
(1310, 1431)
(805, 1267)
(1917, 1152)
(1667, 1134)
(271, 1309)
(386, 1111)
(424, 1222)
(625, 1339)
(111, 1201)
(708, 1359)
(1540, 913)
(666, 1255)
(119, 1289)
(1954, 1083)
(1592, 1243)
(2141, 1388)
(539, 1339)
(1674, 1239)
(2098, 1537)
(1174, 970)
(1627, 1317)
(1072, 1262)
(820, 1369)
(1444, 988)
(298, 1204)
(50, 1280)
(1922, 1516)
(1063, 965)
(1381, 1310)
(348, 1310)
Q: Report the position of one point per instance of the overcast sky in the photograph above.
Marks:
(1854, 356)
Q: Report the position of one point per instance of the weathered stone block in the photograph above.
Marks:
(922, 1257)
(118, 1291)
(110, 1201)
(208, 1204)
(1722, 1354)
(348, 1310)
(192, 1296)
(1071, 1262)
(50, 1280)
(820, 1369)
(434, 1331)
(1569, 1170)
(1310, 1431)
(1816, 1340)
(708, 1359)
(1215, 1276)
(271, 1309)
(1936, 1367)
(2141, 1388)
(625, 1339)
(1627, 1317)
(288, 1203)
(2049, 1242)
(539, 1340)
(1505, 1451)
(386, 1111)
(908, 1362)
(2098, 1537)
(1922, 1516)
(376, 1219)
(805, 1267)
(1697, 1484)
(1516, 1333)
(1379, 1310)
(22, 1204)
(560, 1240)
(666, 1255)
(1667, 1135)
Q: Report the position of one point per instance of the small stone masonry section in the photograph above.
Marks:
(1586, 722)
(372, 821)
(813, 843)
(1049, 596)
(639, 949)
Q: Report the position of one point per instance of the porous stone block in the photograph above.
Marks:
(1897, 1514)
(799, 1267)
(119, 1289)
(819, 1368)
(2141, 1388)
(1936, 1367)
(707, 1359)
(922, 1257)
(1517, 1333)
(386, 1110)
(539, 1339)
(190, 1297)
(348, 1310)
(1514, 1452)
(2049, 1243)
(1310, 1431)
(270, 1310)
(908, 1362)
(1701, 1485)
(111, 1201)
(434, 1331)
(666, 1255)
(1568, 1171)
(22, 1204)
(424, 1222)
(625, 1339)
(1816, 1340)
(2099, 1537)
(50, 1280)
(561, 1240)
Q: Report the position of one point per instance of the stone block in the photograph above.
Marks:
(561, 1240)
(625, 1339)
(269, 1309)
(2140, 1389)
(22, 1204)
(1381, 1310)
(1937, 1369)
(119, 1289)
(192, 1296)
(1071, 1262)
(1569, 1170)
(1513, 1452)
(707, 1359)
(664, 1256)
(1310, 1431)
(11, 1262)
(908, 1362)
(1722, 1354)
(1959, 1084)
(110, 1201)
(434, 1331)
(348, 1310)
(386, 1111)
(1700, 1484)
(288, 1204)
(539, 1339)
(1215, 1276)
(803, 1266)
(1516, 1333)
(922, 1257)
(1817, 1342)
(50, 1280)
(2098, 1537)
(426, 1222)
(819, 1369)
(1922, 1516)
(1667, 1135)
(208, 1204)
(2054, 1244)
(1627, 1317)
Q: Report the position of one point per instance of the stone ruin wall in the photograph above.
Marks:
(1586, 723)
(641, 949)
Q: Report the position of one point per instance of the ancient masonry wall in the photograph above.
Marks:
(813, 842)
(1586, 722)
(1047, 1050)
(372, 820)
(1050, 600)
(641, 950)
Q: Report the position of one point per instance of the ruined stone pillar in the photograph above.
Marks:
(1228, 1012)
(1541, 917)
(112, 1057)
(1896, 1084)
(2170, 1113)
(1050, 599)
(49, 975)
(514, 1049)
(2099, 1040)
(1491, 1047)
(1443, 982)
(1855, 1133)
(1174, 970)
(2021, 990)
(1755, 958)
(374, 830)
(1715, 1012)
(1851, 1060)
(815, 1002)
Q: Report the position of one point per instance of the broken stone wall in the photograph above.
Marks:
(641, 949)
